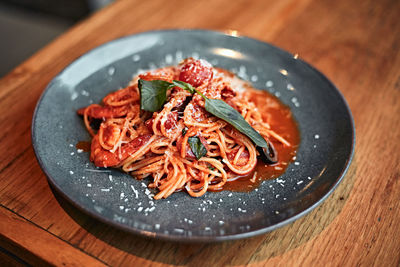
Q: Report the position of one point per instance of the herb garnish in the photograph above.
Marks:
(197, 147)
(154, 94)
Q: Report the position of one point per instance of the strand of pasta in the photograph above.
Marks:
(140, 152)
(122, 93)
(177, 180)
(218, 165)
(251, 163)
(122, 133)
(197, 190)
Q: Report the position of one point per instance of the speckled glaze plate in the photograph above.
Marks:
(325, 122)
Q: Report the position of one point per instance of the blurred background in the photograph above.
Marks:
(28, 25)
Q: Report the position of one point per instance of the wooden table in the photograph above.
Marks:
(355, 43)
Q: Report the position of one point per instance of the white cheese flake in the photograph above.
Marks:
(74, 96)
(254, 78)
(85, 93)
(135, 191)
(111, 71)
(269, 84)
(169, 59)
(136, 58)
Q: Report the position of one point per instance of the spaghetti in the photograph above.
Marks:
(161, 144)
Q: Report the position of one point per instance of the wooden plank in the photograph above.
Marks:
(37, 246)
(9, 259)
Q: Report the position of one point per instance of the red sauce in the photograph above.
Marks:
(281, 122)
(84, 145)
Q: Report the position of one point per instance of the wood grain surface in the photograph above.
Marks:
(355, 43)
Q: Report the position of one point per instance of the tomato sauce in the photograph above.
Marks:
(84, 145)
(282, 122)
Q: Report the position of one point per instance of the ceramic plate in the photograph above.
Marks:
(324, 119)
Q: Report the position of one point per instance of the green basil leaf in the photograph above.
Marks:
(197, 147)
(153, 94)
(223, 111)
(185, 86)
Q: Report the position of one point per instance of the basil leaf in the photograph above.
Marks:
(185, 86)
(197, 147)
(223, 111)
(153, 94)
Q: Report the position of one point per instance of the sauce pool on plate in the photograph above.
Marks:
(281, 120)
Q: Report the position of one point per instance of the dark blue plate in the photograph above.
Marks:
(325, 121)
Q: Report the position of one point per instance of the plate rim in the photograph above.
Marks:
(195, 238)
